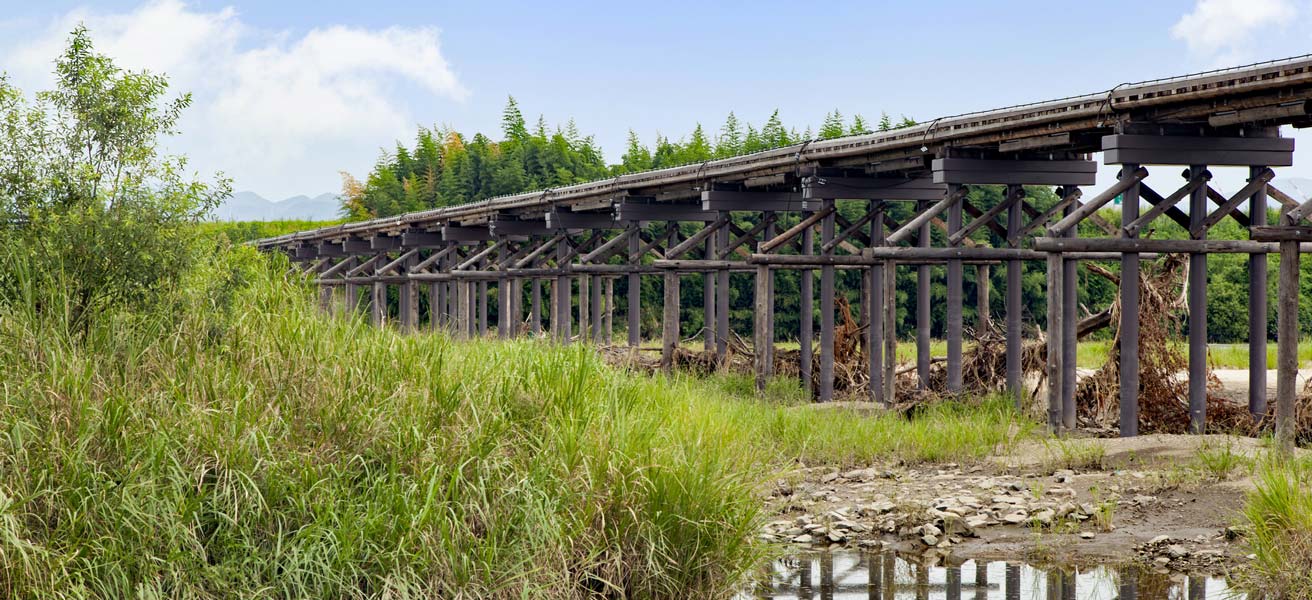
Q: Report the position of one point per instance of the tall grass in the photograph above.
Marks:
(241, 444)
(1279, 519)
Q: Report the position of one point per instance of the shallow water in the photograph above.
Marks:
(880, 576)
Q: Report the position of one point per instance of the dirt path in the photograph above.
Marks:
(1169, 501)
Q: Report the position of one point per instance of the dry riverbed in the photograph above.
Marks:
(1169, 502)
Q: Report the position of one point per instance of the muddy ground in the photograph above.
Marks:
(1151, 499)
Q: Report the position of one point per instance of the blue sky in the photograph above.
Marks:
(289, 93)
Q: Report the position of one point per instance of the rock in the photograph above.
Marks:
(828, 477)
(877, 508)
(1086, 535)
(803, 539)
(1176, 551)
(837, 537)
(1017, 487)
(1159, 539)
(1142, 499)
(1162, 560)
(860, 474)
(978, 520)
(794, 531)
(1016, 518)
(1044, 517)
(929, 529)
(929, 540)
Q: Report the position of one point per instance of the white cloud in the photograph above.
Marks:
(281, 113)
(1224, 29)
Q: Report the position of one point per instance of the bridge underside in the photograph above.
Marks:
(875, 203)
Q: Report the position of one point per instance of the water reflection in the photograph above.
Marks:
(887, 576)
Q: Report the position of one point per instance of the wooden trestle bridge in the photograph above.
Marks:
(602, 230)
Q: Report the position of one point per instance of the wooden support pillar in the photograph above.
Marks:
(516, 307)
(634, 291)
(1129, 325)
(1014, 307)
(585, 305)
(503, 308)
(874, 309)
(760, 314)
(806, 314)
(561, 318)
(1197, 309)
(953, 591)
(553, 310)
(409, 303)
(983, 285)
(767, 235)
(708, 300)
(464, 321)
(454, 290)
(351, 296)
(326, 291)
(483, 305)
(378, 303)
(670, 328)
(827, 309)
(722, 296)
(1055, 273)
(922, 306)
(535, 308)
(609, 325)
(598, 290)
(890, 332)
(955, 326)
(1287, 345)
(1257, 318)
(1069, 322)
(435, 305)
(439, 308)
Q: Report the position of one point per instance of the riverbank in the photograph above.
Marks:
(1170, 503)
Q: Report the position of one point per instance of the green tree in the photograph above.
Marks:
(512, 121)
(832, 126)
(87, 202)
(730, 141)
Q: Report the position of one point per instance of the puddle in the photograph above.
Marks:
(887, 576)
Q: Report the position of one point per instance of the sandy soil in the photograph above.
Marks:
(1084, 500)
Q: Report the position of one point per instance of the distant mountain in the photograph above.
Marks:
(249, 206)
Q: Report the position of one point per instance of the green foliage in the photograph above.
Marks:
(84, 195)
(443, 170)
(1278, 517)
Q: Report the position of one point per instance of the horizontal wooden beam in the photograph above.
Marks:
(457, 233)
(418, 238)
(385, 242)
(727, 200)
(559, 219)
(1014, 172)
(1281, 233)
(632, 211)
(822, 187)
(519, 227)
(1046, 244)
(1190, 150)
